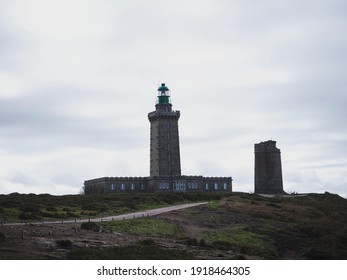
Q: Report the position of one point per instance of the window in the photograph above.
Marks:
(206, 186)
(215, 186)
(179, 186)
(113, 187)
(132, 186)
(164, 186)
(225, 186)
(122, 187)
(193, 185)
(142, 186)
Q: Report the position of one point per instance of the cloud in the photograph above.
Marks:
(77, 84)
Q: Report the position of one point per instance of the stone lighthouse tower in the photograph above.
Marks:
(165, 162)
(164, 139)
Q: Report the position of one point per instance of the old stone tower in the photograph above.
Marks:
(267, 168)
(164, 147)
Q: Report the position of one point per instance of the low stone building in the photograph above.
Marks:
(165, 164)
(158, 184)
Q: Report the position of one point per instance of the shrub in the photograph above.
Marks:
(273, 204)
(146, 242)
(319, 254)
(90, 226)
(28, 216)
(202, 243)
(99, 207)
(222, 244)
(192, 241)
(66, 243)
(2, 236)
(72, 215)
(29, 208)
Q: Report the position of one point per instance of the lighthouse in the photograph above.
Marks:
(164, 138)
(165, 161)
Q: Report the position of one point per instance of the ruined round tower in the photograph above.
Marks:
(267, 168)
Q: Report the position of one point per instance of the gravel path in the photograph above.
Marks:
(140, 214)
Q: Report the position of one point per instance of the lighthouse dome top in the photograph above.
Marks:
(163, 88)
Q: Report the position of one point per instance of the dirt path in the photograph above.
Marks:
(140, 214)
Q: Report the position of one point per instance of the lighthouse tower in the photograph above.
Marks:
(165, 162)
(164, 138)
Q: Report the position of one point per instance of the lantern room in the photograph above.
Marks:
(163, 95)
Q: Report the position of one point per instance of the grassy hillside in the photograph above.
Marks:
(306, 227)
(245, 226)
(30, 207)
(236, 226)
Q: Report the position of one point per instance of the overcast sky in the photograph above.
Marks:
(78, 78)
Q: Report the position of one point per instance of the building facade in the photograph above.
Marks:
(165, 162)
(267, 168)
(158, 184)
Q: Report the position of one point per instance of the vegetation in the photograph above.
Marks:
(145, 250)
(302, 227)
(252, 226)
(234, 226)
(90, 226)
(150, 227)
(17, 207)
(65, 244)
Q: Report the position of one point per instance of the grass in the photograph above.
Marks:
(312, 226)
(240, 240)
(150, 227)
(17, 207)
(241, 225)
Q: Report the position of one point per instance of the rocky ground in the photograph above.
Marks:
(41, 241)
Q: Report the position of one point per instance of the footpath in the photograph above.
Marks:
(140, 214)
